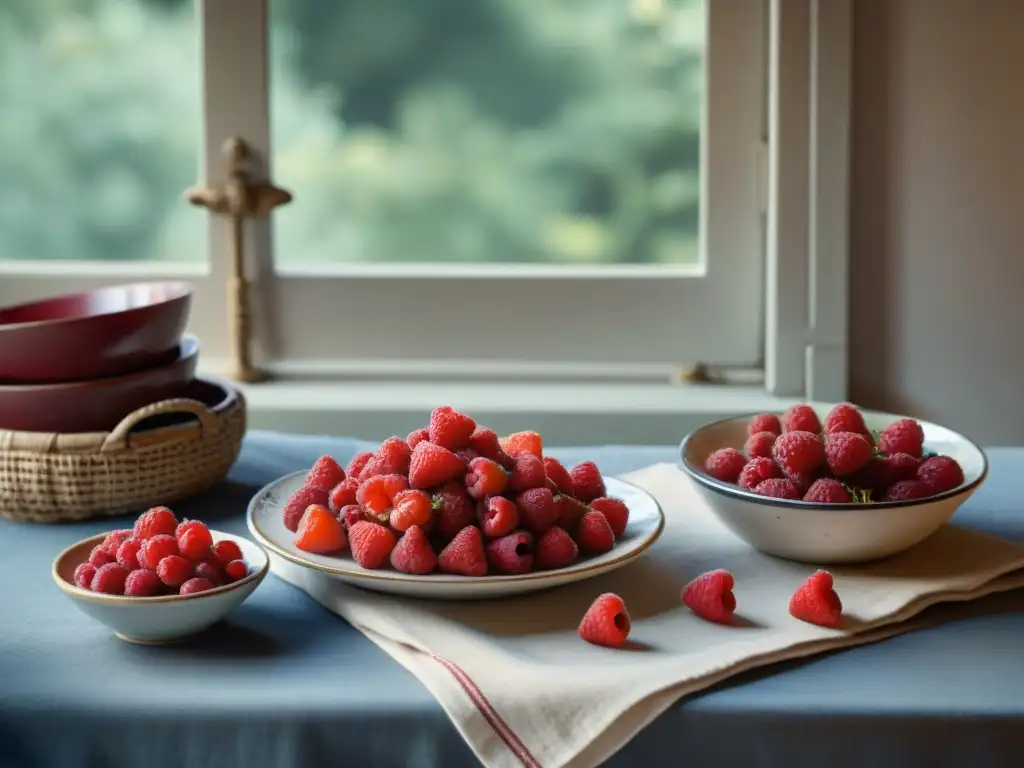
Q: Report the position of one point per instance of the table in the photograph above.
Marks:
(286, 684)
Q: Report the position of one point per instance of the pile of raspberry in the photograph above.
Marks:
(838, 462)
(454, 497)
(160, 556)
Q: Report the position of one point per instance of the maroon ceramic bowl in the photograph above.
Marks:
(84, 336)
(99, 404)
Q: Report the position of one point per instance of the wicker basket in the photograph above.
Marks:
(51, 478)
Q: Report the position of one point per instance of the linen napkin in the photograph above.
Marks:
(524, 690)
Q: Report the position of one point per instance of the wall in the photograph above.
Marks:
(937, 219)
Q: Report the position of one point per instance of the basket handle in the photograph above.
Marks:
(119, 436)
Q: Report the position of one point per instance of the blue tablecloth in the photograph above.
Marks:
(284, 683)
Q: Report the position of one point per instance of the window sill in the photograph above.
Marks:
(566, 414)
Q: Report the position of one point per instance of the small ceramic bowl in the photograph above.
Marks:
(829, 533)
(165, 619)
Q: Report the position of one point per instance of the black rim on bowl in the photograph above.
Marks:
(700, 476)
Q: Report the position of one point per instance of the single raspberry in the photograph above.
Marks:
(392, 458)
(99, 556)
(325, 473)
(759, 445)
(464, 555)
(466, 455)
(156, 549)
(109, 579)
(174, 570)
(512, 553)
(195, 586)
(906, 490)
(485, 478)
(587, 483)
(537, 509)
(594, 534)
(764, 422)
(299, 501)
(194, 540)
(485, 441)
(827, 491)
(320, 532)
(449, 428)
(497, 516)
(453, 510)
(343, 494)
(555, 549)
(615, 512)
(846, 452)
(558, 474)
(128, 554)
(756, 471)
(903, 436)
(432, 465)
(154, 522)
(802, 481)
(801, 418)
(358, 463)
(225, 551)
(351, 514)
(606, 622)
(710, 596)
(413, 553)
(526, 441)
(845, 418)
(84, 574)
(570, 511)
(940, 474)
(371, 544)
(778, 488)
(369, 470)
(725, 464)
(205, 569)
(236, 570)
(816, 602)
(113, 540)
(378, 493)
(416, 437)
(798, 452)
(143, 582)
(412, 508)
(528, 473)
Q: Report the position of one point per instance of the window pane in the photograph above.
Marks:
(529, 131)
(99, 130)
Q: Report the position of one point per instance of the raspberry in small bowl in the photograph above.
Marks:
(838, 485)
(162, 580)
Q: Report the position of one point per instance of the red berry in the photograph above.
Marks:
(109, 579)
(352, 513)
(99, 556)
(615, 511)
(486, 442)
(174, 570)
(756, 471)
(827, 491)
(570, 510)
(846, 452)
(154, 522)
(236, 570)
(416, 437)
(725, 464)
(778, 488)
(156, 549)
(555, 549)
(194, 540)
(802, 481)
(343, 494)
(358, 464)
(587, 483)
(449, 428)
(526, 441)
(207, 570)
(325, 473)
(512, 553)
(413, 553)
(882, 471)
(903, 436)
(371, 544)
(113, 540)
(320, 532)
(906, 490)
(710, 596)
(392, 458)
(798, 452)
(759, 445)
(801, 418)
(299, 501)
(195, 586)
(464, 555)
(764, 422)
(558, 474)
(225, 551)
(816, 602)
(497, 516)
(378, 493)
(606, 622)
(432, 465)
(466, 455)
(528, 473)
(143, 583)
(940, 474)
(453, 510)
(485, 478)
(845, 418)
(84, 574)
(537, 509)
(412, 508)
(594, 534)
(128, 554)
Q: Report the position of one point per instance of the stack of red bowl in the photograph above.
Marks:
(82, 362)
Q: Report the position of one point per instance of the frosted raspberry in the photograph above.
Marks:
(827, 491)
(236, 570)
(798, 452)
(84, 574)
(413, 553)
(154, 522)
(143, 583)
(156, 549)
(371, 543)
(940, 474)
(845, 418)
(759, 445)
(528, 473)
(113, 540)
(778, 488)
(109, 579)
(537, 509)
(225, 551)
(99, 556)
(207, 570)
(464, 555)
(802, 480)
(392, 458)
(485, 477)
(325, 473)
(512, 553)
(174, 570)
(846, 452)
(756, 471)
(764, 422)
(498, 516)
(299, 501)
(801, 418)
(487, 443)
(341, 495)
(194, 540)
(725, 464)
(903, 436)
(194, 586)
(906, 490)
(357, 465)
(128, 554)
(555, 549)
(449, 428)
(417, 436)
(453, 510)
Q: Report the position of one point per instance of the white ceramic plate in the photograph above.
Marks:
(265, 520)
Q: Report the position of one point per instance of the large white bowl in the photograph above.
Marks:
(829, 533)
(164, 619)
